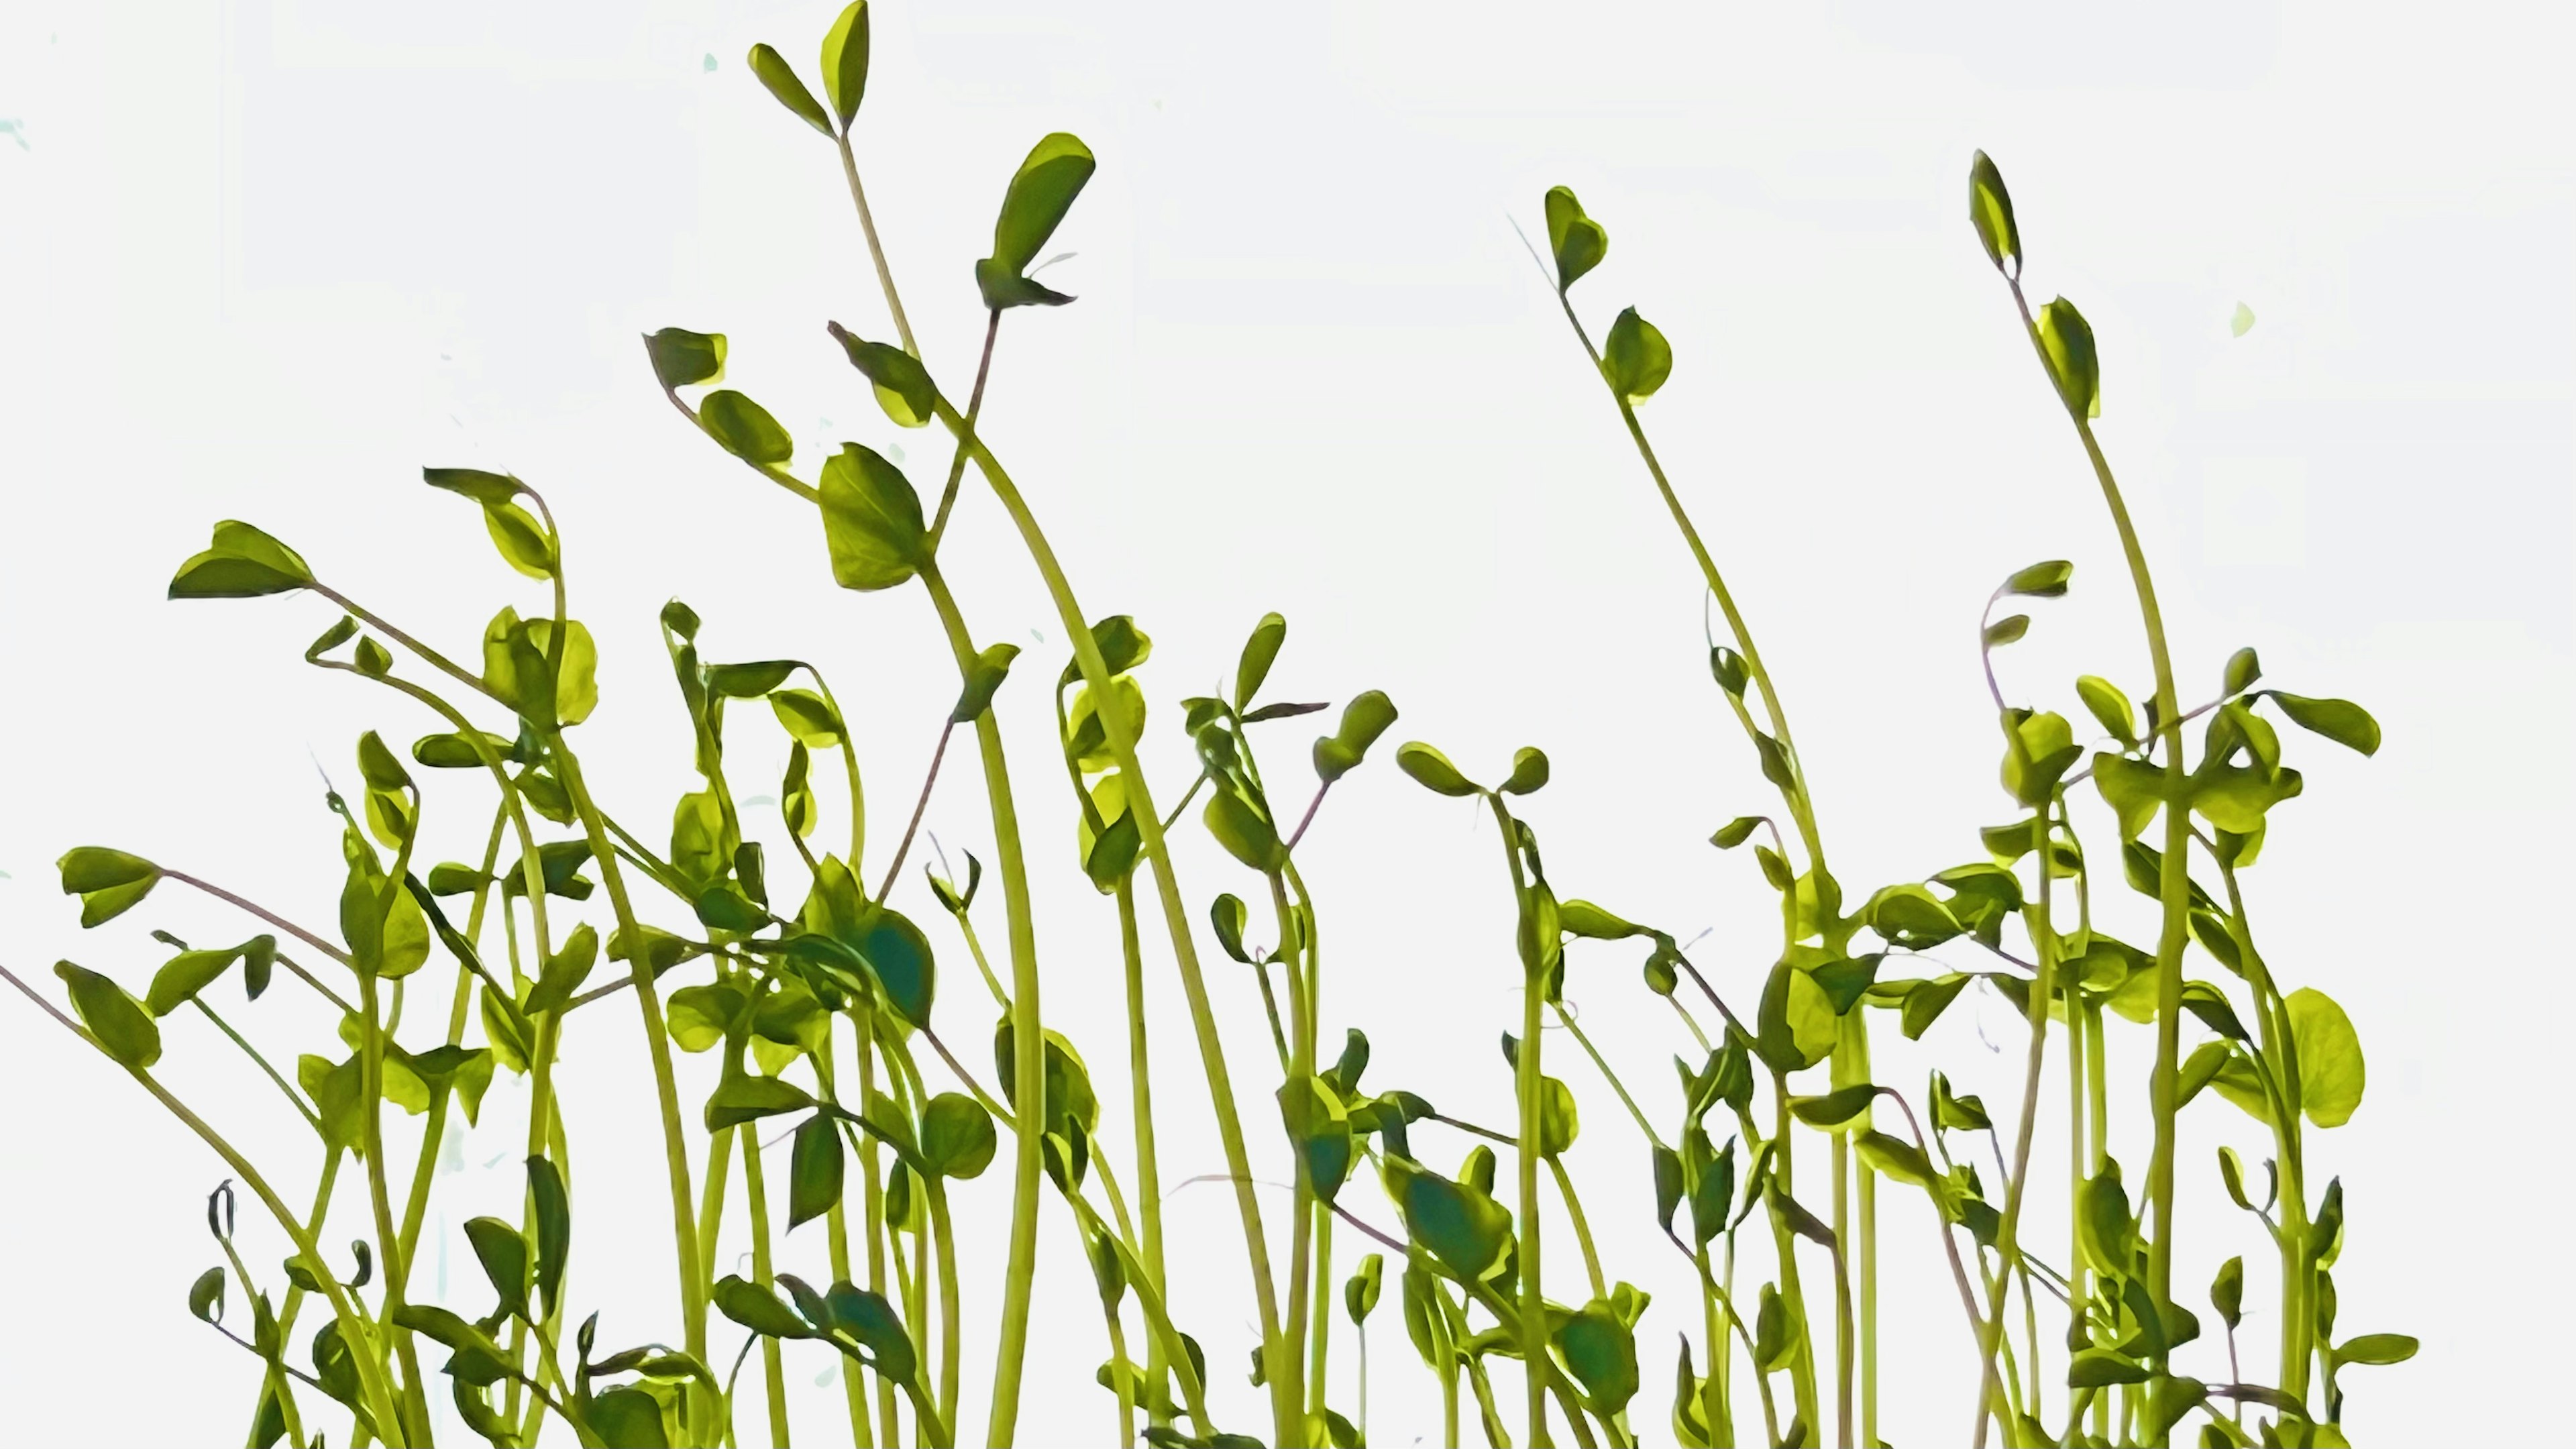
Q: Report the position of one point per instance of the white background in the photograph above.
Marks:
(266, 260)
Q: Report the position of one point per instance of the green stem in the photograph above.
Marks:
(2173, 880)
(1528, 1084)
(876, 252)
(1149, 1177)
(1027, 1032)
(755, 1187)
(1121, 733)
(2044, 941)
(944, 1235)
(415, 1403)
(657, 1043)
(1582, 1229)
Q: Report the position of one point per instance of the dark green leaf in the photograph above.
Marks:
(1432, 770)
(2376, 1348)
(628, 1418)
(682, 358)
(554, 1229)
(1364, 719)
(983, 680)
(814, 1173)
(2006, 630)
(2243, 668)
(957, 1138)
(2097, 1368)
(1529, 772)
(504, 1256)
(2227, 1292)
(206, 1295)
(1834, 1109)
(1245, 833)
(1360, 1293)
(758, 1309)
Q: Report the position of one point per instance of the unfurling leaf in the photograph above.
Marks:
(682, 358)
(117, 1022)
(1990, 209)
(1635, 357)
(780, 79)
(1576, 240)
(2066, 339)
(1040, 194)
(903, 387)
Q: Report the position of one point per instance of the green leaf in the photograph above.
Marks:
(523, 542)
(2227, 1292)
(845, 61)
(984, 679)
(565, 971)
(1601, 1350)
(744, 428)
(1040, 194)
(191, 972)
(1360, 1292)
(2133, 788)
(2331, 1073)
(682, 358)
(957, 1137)
(2109, 707)
(900, 956)
(1912, 917)
(1577, 241)
(1432, 770)
(241, 563)
(2339, 720)
(2066, 340)
(1635, 357)
(1461, 1225)
(1734, 832)
(1252, 667)
(2376, 1349)
(2006, 630)
(1990, 210)
(1835, 1109)
(1928, 999)
(1245, 833)
(871, 520)
(629, 1417)
(1364, 719)
(120, 1025)
(206, 1296)
(1320, 1131)
(1529, 772)
(780, 77)
(903, 387)
(1897, 1158)
(741, 1099)
(1558, 1120)
(2099, 1368)
(1728, 668)
(814, 1170)
(504, 1256)
(805, 715)
(2041, 580)
(2243, 668)
(758, 1309)
(554, 1229)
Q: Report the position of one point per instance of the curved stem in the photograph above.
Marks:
(1149, 1173)
(2173, 879)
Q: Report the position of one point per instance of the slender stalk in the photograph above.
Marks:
(1121, 733)
(944, 1235)
(1149, 1173)
(2173, 879)
(1528, 1084)
(755, 1187)
(2007, 1238)
(1027, 1032)
(1582, 1229)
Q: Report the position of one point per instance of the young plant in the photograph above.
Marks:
(804, 980)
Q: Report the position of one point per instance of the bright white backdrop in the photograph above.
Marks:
(266, 260)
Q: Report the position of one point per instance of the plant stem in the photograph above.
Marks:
(1582, 1229)
(1149, 1174)
(1121, 733)
(876, 251)
(1528, 1084)
(1027, 1032)
(2044, 941)
(657, 1043)
(756, 1188)
(2173, 879)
